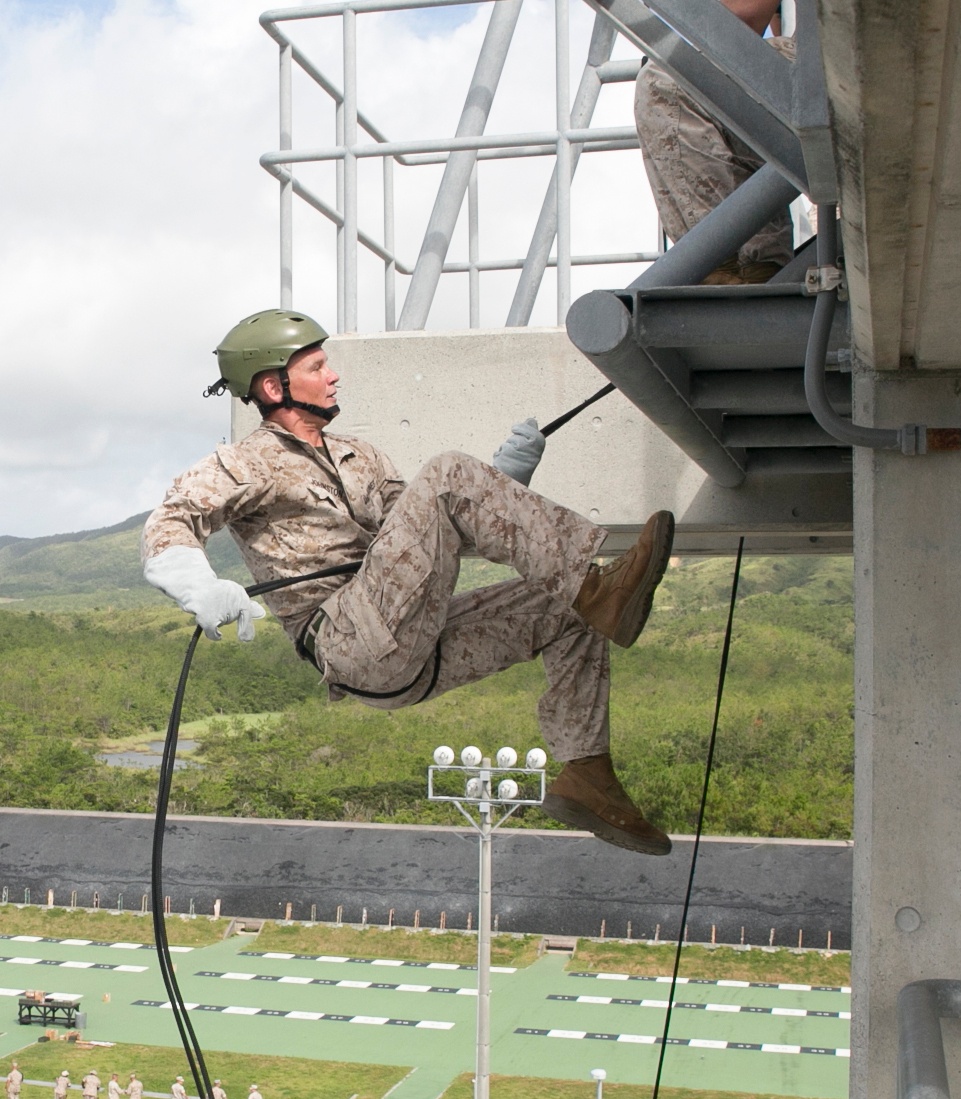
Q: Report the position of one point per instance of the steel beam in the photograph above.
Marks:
(773, 432)
(764, 392)
(453, 186)
(722, 232)
(766, 132)
(600, 325)
(732, 317)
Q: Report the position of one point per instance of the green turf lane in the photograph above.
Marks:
(232, 985)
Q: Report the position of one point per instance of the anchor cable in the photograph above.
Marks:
(722, 674)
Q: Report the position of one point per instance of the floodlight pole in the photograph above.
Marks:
(483, 799)
(482, 1071)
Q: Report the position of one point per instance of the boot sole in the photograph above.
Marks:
(580, 817)
(638, 610)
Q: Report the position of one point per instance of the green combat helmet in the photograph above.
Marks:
(263, 341)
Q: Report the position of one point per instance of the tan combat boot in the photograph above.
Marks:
(759, 272)
(728, 274)
(616, 599)
(588, 795)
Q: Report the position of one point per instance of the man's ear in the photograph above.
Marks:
(266, 387)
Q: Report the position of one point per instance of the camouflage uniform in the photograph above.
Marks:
(135, 1088)
(693, 162)
(61, 1087)
(14, 1081)
(293, 508)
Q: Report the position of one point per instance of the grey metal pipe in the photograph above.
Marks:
(814, 386)
(390, 264)
(350, 204)
(764, 392)
(922, 1071)
(286, 185)
(791, 430)
(453, 187)
(473, 250)
(600, 325)
(517, 144)
(816, 461)
(538, 255)
(564, 163)
(719, 235)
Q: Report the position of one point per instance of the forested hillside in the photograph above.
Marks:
(87, 664)
(92, 568)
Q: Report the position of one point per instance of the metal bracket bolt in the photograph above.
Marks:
(818, 280)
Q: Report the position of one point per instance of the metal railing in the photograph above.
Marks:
(922, 1067)
(460, 154)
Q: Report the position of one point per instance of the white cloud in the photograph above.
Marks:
(138, 225)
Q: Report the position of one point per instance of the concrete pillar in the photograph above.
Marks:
(907, 812)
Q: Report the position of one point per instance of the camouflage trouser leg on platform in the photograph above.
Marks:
(693, 162)
(380, 630)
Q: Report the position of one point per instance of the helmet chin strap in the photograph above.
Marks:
(288, 402)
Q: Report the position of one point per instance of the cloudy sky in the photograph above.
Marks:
(138, 225)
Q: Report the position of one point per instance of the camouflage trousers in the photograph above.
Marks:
(380, 632)
(693, 162)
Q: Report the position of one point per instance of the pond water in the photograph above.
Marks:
(151, 758)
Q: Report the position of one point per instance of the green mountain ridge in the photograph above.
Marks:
(63, 568)
(87, 568)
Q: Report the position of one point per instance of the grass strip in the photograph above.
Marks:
(107, 926)
(400, 943)
(763, 964)
(530, 1087)
(157, 1066)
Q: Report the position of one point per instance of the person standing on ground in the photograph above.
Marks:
(218, 1092)
(91, 1085)
(114, 1090)
(14, 1080)
(177, 1089)
(62, 1085)
(296, 499)
(135, 1088)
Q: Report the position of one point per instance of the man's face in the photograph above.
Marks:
(313, 380)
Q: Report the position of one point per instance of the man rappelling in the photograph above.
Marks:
(297, 498)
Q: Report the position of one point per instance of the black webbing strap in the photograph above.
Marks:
(725, 652)
(307, 650)
(402, 690)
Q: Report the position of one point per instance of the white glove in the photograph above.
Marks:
(184, 573)
(519, 454)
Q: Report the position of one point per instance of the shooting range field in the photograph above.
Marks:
(744, 1037)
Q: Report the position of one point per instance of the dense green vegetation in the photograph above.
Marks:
(87, 663)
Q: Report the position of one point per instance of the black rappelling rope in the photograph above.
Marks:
(722, 674)
(188, 1037)
(561, 420)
